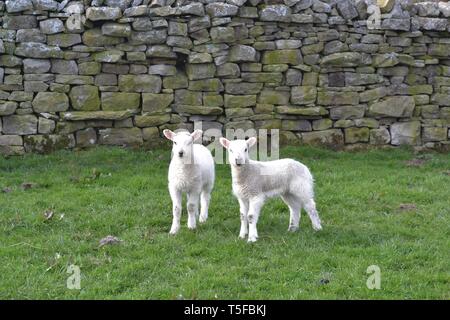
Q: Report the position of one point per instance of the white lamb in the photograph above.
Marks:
(255, 181)
(191, 170)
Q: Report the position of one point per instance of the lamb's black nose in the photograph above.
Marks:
(180, 153)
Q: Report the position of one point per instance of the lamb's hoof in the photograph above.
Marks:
(317, 227)
(173, 232)
(292, 228)
(192, 227)
(242, 236)
(252, 239)
(203, 219)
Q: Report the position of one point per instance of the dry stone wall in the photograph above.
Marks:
(117, 72)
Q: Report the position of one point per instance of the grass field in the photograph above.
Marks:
(376, 207)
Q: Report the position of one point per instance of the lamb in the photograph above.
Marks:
(255, 181)
(191, 170)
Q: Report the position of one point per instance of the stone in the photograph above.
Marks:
(278, 13)
(200, 57)
(201, 110)
(13, 22)
(156, 103)
(441, 99)
(177, 29)
(108, 56)
(95, 38)
(177, 81)
(103, 13)
(38, 50)
(337, 98)
(20, 124)
(396, 24)
(385, 60)
(434, 134)
(47, 5)
(221, 9)
(85, 98)
(86, 137)
(301, 111)
(151, 120)
(7, 107)
(151, 37)
(162, 69)
(291, 56)
(436, 24)
(223, 35)
(51, 26)
(116, 29)
(274, 97)
(347, 112)
(240, 53)
(208, 85)
(373, 94)
(121, 136)
(331, 137)
(10, 140)
(187, 97)
(200, 71)
(117, 101)
(96, 115)
(270, 77)
(243, 88)
(296, 125)
(303, 95)
(37, 66)
(46, 143)
(30, 35)
(45, 126)
(379, 136)
(63, 40)
(354, 135)
(64, 66)
(89, 68)
(397, 106)
(322, 124)
(347, 9)
(342, 59)
(239, 101)
(14, 6)
(50, 102)
(405, 133)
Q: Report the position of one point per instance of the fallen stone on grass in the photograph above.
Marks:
(407, 207)
(28, 185)
(109, 240)
(6, 190)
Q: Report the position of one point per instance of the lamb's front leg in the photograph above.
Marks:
(255, 205)
(243, 204)
(192, 208)
(176, 209)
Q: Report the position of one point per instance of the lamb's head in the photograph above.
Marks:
(238, 150)
(183, 142)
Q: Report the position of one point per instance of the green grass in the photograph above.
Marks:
(124, 193)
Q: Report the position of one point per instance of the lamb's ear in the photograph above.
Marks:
(168, 134)
(224, 142)
(251, 141)
(196, 134)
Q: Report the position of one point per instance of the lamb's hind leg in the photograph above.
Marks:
(176, 210)
(205, 198)
(192, 208)
(310, 207)
(295, 208)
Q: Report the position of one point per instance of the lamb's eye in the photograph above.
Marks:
(174, 143)
(231, 151)
(245, 149)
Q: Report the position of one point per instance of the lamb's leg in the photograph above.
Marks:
(254, 209)
(310, 207)
(295, 208)
(192, 208)
(176, 210)
(243, 204)
(205, 197)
